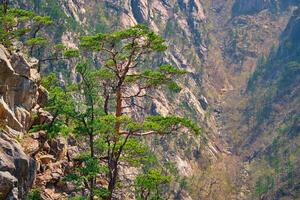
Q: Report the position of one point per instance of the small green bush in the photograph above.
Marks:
(34, 194)
(264, 184)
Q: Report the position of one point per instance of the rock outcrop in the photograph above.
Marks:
(19, 97)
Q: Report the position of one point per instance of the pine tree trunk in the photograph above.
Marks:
(113, 178)
(118, 108)
(92, 179)
(5, 6)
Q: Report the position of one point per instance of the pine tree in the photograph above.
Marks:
(101, 111)
(18, 23)
(123, 55)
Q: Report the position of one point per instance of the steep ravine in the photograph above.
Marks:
(244, 120)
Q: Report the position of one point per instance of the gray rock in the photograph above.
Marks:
(17, 163)
(72, 152)
(43, 96)
(20, 65)
(58, 147)
(18, 96)
(203, 102)
(7, 183)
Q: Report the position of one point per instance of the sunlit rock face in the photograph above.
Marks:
(19, 97)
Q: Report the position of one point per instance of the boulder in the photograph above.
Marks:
(72, 152)
(41, 117)
(42, 96)
(38, 135)
(17, 163)
(18, 88)
(203, 102)
(30, 145)
(7, 183)
(6, 69)
(23, 116)
(7, 117)
(46, 159)
(58, 148)
(20, 65)
(46, 147)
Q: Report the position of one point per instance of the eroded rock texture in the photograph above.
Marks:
(19, 97)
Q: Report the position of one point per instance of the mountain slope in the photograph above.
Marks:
(274, 103)
(242, 87)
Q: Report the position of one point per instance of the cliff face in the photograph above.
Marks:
(20, 97)
(273, 137)
(241, 7)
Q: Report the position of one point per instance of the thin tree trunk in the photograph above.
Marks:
(5, 6)
(92, 145)
(106, 100)
(113, 174)
(118, 108)
(92, 179)
(113, 166)
(91, 138)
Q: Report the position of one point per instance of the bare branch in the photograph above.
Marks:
(140, 134)
(132, 104)
(139, 93)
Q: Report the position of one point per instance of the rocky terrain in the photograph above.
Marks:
(242, 88)
(28, 159)
(21, 97)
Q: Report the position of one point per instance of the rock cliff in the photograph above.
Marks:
(20, 96)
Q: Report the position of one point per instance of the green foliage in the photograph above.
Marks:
(166, 124)
(290, 76)
(71, 53)
(15, 23)
(136, 153)
(151, 40)
(294, 66)
(171, 167)
(149, 185)
(36, 41)
(89, 168)
(60, 105)
(29, 28)
(260, 65)
(78, 198)
(173, 86)
(282, 157)
(34, 194)
(53, 9)
(101, 193)
(43, 20)
(264, 184)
